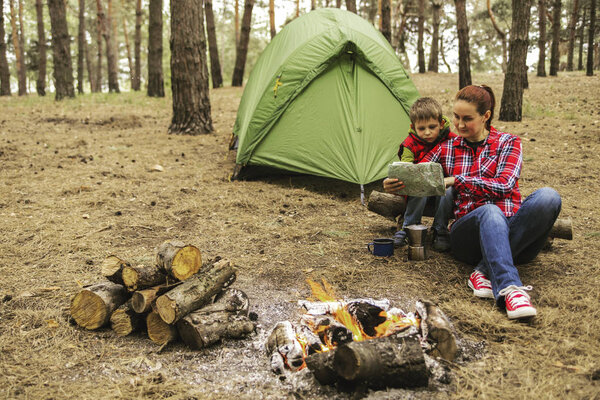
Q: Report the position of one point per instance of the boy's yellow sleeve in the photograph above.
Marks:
(407, 156)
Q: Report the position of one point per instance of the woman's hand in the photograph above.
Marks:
(448, 181)
(393, 186)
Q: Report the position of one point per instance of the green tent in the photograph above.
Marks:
(327, 97)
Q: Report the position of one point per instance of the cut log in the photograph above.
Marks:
(283, 341)
(436, 329)
(178, 259)
(141, 301)
(124, 320)
(112, 267)
(195, 292)
(200, 329)
(562, 229)
(321, 365)
(330, 307)
(231, 300)
(142, 277)
(92, 307)
(386, 204)
(158, 330)
(385, 362)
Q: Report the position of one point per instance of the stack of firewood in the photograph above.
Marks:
(175, 297)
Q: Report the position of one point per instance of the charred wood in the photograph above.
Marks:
(321, 365)
(283, 341)
(436, 329)
(368, 316)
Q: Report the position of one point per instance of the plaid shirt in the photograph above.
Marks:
(488, 177)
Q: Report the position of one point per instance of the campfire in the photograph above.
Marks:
(361, 340)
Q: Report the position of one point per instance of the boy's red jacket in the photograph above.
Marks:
(419, 147)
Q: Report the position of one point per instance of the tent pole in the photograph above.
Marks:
(362, 194)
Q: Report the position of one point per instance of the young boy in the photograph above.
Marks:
(428, 128)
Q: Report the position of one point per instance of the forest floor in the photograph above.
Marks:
(77, 186)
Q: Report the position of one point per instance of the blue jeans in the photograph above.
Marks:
(443, 211)
(486, 237)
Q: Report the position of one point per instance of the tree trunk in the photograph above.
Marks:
(21, 78)
(242, 47)
(572, 23)
(501, 34)
(23, 73)
(99, 29)
(313, 4)
(525, 67)
(581, 40)
(464, 54)
(272, 18)
(61, 50)
(111, 48)
(435, 39)
(338, 3)
(237, 22)
(128, 48)
(386, 20)
(142, 277)
(90, 68)
(137, 46)
(4, 71)
(297, 8)
(179, 260)
(213, 50)
(80, 46)
(555, 53)
(512, 96)
(124, 320)
(155, 31)
(41, 79)
(443, 54)
(93, 306)
(541, 69)
(421, 31)
(195, 292)
(591, 31)
(351, 5)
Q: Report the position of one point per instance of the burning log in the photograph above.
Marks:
(331, 332)
(313, 343)
(158, 330)
(562, 229)
(282, 345)
(112, 267)
(141, 301)
(178, 259)
(331, 307)
(92, 307)
(124, 320)
(436, 329)
(321, 365)
(385, 362)
(195, 292)
(386, 204)
(142, 277)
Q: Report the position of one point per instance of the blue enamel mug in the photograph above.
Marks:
(381, 247)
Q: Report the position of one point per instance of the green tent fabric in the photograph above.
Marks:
(327, 97)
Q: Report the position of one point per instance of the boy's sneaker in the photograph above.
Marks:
(518, 303)
(481, 285)
(441, 242)
(399, 238)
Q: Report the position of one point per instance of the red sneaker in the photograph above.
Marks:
(481, 285)
(518, 303)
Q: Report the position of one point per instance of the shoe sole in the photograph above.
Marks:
(523, 312)
(481, 293)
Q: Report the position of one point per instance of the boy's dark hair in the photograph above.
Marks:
(424, 109)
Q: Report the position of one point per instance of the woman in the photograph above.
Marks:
(493, 229)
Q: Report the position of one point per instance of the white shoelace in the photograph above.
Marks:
(516, 301)
(481, 280)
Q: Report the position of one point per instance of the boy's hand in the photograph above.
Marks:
(448, 181)
(392, 185)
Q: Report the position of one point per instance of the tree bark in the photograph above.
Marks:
(386, 204)
(386, 20)
(61, 50)
(541, 68)
(142, 277)
(158, 330)
(572, 23)
(242, 47)
(135, 84)
(581, 40)
(464, 54)
(213, 50)
(90, 68)
(591, 31)
(421, 32)
(435, 38)
(178, 259)
(237, 22)
(21, 78)
(41, 79)
(128, 48)
(124, 320)
(555, 53)
(99, 29)
(93, 306)
(501, 34)
(351, 5)
(112, 269)
(195, 292)
(23, 73)
(4, 71)
(155, 31)
(111, 48)
(80, 46)
(442, 53)
(272, 18)
(512, 95)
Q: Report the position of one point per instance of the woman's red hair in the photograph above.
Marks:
(482, 97)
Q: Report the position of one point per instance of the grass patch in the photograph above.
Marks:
(336, 233)
(592, 234)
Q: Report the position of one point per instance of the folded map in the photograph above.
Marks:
(420, 180)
